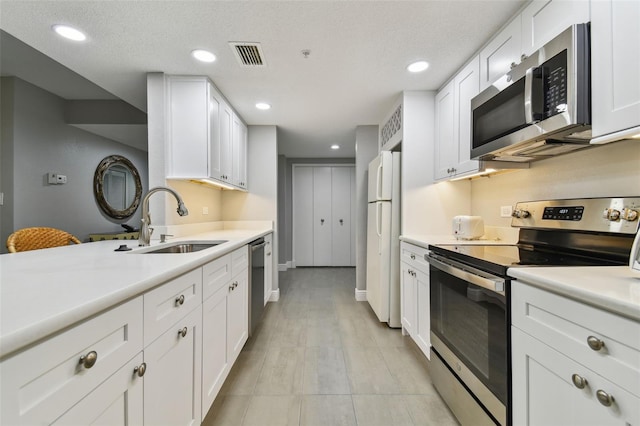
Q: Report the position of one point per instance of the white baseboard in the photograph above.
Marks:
(282, 267)
(361, 295)
(275, 295)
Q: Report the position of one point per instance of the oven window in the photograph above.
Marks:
(472, 322)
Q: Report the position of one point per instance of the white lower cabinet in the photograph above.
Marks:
(268, 267)
(172, 383)
(102, 371)
(415, 296)
(572, 364)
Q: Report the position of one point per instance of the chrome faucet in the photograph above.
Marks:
(145, 230)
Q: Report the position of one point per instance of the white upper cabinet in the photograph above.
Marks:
(453, 124)
(615, 68)
(538, 23)
(206, 138)
(502, 51)
(542, 20)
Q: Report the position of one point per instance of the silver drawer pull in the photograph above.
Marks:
(182, 332)
(579, 381)
(604, 398)
(180, 300)
(595, 343)
(88, 360)
(413, 257)
(141, 369)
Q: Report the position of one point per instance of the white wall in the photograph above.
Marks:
(604, 171)
(366, 150)
(36, 140)
(427, 208)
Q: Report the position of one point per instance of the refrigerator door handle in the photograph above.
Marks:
(379, 225)
(379, 181)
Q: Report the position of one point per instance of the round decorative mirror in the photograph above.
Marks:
(117, 187)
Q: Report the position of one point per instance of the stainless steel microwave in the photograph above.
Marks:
(541, 108)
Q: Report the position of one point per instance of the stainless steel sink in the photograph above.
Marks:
(185, 247)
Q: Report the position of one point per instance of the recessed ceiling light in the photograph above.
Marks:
(69, 33)
(263, 106)
(418, 66)
(335, 146)
(203, 55)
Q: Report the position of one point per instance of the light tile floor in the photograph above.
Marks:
(320, 358)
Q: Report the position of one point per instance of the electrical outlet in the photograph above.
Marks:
(205, 210)
(505, 211)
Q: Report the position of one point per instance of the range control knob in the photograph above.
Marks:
(629, 214)
(520, 214)
(612, 214)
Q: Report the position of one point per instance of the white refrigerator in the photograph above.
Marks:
(383, 232)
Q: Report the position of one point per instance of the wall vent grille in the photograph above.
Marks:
(391, 127)
(248, 54)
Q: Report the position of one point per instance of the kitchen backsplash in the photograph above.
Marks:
(609, 170)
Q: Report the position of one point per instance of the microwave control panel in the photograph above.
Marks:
(554, 82)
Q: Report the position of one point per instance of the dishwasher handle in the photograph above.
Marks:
(467, 273)
(258, 246)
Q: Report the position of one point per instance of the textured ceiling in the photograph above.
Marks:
(356, 69)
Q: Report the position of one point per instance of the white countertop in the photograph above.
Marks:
(613, 288)
(44, 291)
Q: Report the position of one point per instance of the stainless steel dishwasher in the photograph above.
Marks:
(256, 283)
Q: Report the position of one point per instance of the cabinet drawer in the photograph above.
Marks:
(39, 384)
(215, 274)
(414, 256)
(170, 302)
(239, 260)
(566, 325)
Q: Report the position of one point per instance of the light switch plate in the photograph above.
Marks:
(505, 211)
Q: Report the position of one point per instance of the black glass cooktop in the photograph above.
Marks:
(497, 258)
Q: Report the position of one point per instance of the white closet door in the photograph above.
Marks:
(322, 245)
(303, 216)
(341, 214)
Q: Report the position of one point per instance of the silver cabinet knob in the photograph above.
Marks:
(413, 257)
(595, 343)
(141, 369)
(579, 381)
(604, 398)
(88, 360)
(513, 65)
(180, 300)
(182, 332)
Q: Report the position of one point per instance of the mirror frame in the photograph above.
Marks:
(98, 186)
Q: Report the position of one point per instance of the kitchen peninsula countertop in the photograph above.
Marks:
(613, 288)
(45, 291)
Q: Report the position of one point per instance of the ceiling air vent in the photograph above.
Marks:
(248, 54)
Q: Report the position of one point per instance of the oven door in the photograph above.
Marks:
(469, 330)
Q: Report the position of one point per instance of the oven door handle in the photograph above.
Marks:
(467, 273)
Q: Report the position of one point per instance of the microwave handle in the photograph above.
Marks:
(532, 79)
(468, 274)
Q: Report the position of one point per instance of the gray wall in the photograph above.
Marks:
(366, 150)
(36, 140)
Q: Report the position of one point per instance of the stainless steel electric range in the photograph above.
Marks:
(470, 293)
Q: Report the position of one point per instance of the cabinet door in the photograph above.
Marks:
(408, 302)
(237, 315)
(117, 401)
(239, 152)
(215, 148)
(615, 59)
(226, 155)
(542, 20)
(445, 145)
(172, 383)
(504, 49)
(303, 216)
(214, 346)
(268, 266)
(322, 221)
(467, 85)
(423, 312)
(544, 392)
(188, 127)
(341, 216)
